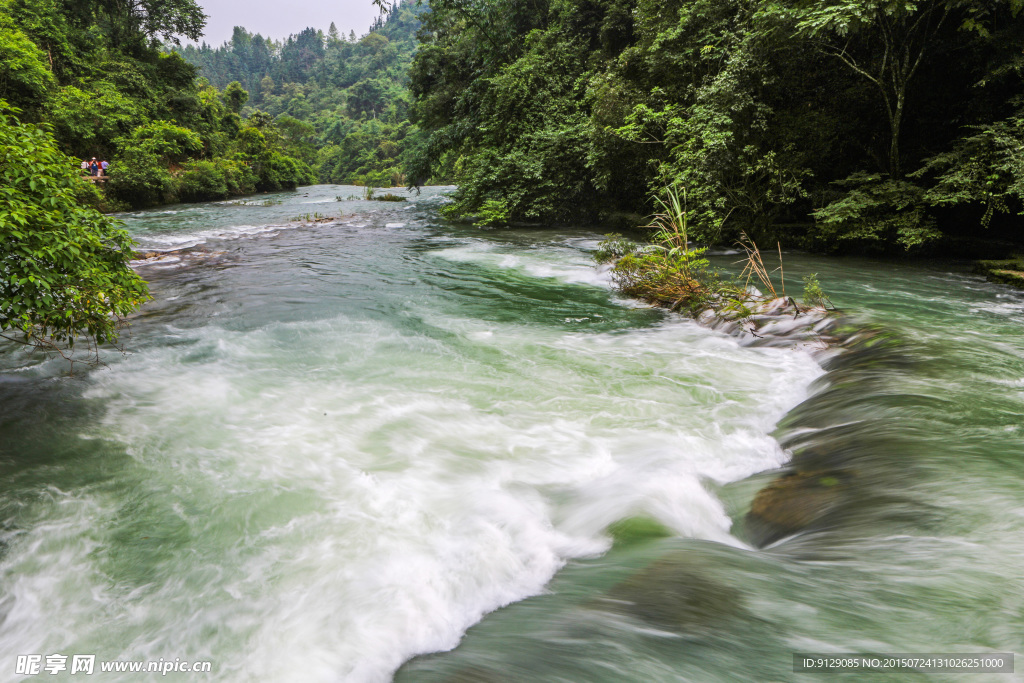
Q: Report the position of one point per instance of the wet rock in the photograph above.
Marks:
(1014, 278)
(675, 593)
(174, 257)
(778, 322)
(795, 501)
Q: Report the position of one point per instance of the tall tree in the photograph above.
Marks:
(886, 41)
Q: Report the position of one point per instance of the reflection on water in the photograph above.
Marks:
(334, 447)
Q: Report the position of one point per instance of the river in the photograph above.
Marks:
(386, 445)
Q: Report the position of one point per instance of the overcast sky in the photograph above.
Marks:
(280, 18)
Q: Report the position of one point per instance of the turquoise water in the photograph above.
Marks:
(333, 449)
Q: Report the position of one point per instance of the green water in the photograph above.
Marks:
(334, 449)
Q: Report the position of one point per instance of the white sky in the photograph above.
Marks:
(280, 18)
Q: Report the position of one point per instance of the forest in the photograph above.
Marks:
(111, 80)
(835, 125)
(344, 100)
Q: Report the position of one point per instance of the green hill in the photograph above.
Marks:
(345, 100)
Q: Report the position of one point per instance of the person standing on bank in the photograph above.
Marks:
(103, 168)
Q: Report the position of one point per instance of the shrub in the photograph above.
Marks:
(614, 247)
(876, 210)
(139, 178)
(202, 181)
(64, 265)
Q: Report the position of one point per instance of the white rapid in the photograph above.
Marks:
(335, 447)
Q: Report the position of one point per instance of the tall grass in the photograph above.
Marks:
(668, 271)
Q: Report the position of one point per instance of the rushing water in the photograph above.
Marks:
(333, 447)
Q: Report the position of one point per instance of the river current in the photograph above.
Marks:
(385, 445)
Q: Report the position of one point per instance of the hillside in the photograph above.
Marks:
(346, 99)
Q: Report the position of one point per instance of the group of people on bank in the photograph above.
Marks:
(94, 167)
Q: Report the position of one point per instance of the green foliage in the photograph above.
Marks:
(235, 96)
(143, 21)
(24, 78)
(140, 173)
(667, 271)
(577, 109)
(64, 271)
(86, 122)
(341, 106)
(202, 181)
(876, 210)
(672, 222)
(492, 212)
(613, 247)
(167, 141)
(96, 73)
(140, 178)
(814, 295)
(681, 280)
(985, 168)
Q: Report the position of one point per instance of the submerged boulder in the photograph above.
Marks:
(675, 593)
(795, 501)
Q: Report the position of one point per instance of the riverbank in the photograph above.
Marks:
(1006, 271)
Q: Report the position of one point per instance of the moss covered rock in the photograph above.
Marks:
(637, 529)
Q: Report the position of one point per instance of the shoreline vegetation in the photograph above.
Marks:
(855, 127)
(556, 121)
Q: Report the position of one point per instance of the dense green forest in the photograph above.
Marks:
(345, 99)
(835, 124)
(192, 124)
(95, 73)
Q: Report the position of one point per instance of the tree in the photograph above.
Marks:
(87, 121)
(985, 169)
(139, 175)
(24, 79)
(148, 20)
(64, 272)
(235, 96)
(885, 42)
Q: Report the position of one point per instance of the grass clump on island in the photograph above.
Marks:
(669, 271)
(368, 195)
(313, 218)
